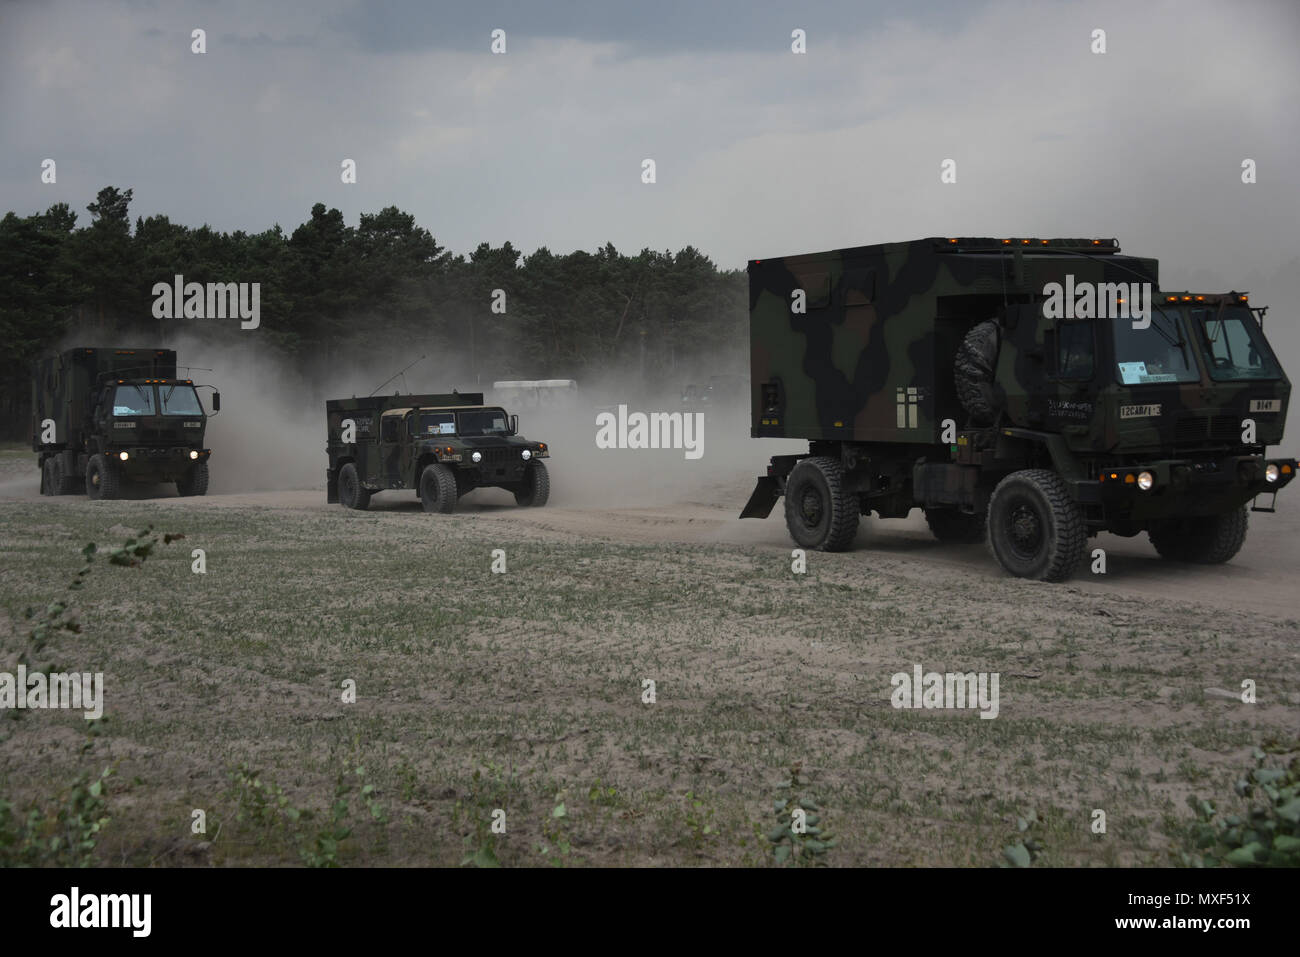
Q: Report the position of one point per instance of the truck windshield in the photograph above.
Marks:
(133, 400)
(179, 400)
(1159, 353)
(484, 422)
(1235, 347)
(435, 423)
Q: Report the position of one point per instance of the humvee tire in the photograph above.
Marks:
(537, 487)
(102, 480)
(352, 494)
(818, 512)
(1204, 540)
(973, 372)
(437, 489)
(955, 527)
(195, 481)
(1035, 530)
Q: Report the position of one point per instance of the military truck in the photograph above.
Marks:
(103, 417)
(440, 446)
(1027, 392)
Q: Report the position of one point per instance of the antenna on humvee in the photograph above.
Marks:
(392, 377)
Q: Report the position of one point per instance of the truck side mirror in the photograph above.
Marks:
(514, 425)
(216, 402)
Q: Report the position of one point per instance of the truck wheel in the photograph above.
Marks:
(65, 484)
(956, 527)
(537, 487)
(973, 371)
(818, 512)
(352, 494)
(102, 480)
(195, 481)
(1205, 540)
(1035, 530)
(437, 489)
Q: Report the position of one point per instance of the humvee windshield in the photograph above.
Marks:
(483, 422)
(1160, 353)
(435, 423)
(133, 400)
(1235, 346)
(179, 400)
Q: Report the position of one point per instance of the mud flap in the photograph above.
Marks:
(331, 487)
(763, 498)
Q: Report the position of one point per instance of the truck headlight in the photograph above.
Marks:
(527, 453)
(1145, 481)
(476, 457)
(1270, 473)
(123, 456)
(193, 454)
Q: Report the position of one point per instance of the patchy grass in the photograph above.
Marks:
(522, 693)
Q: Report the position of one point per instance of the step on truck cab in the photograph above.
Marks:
(1027, 392)
(104, 417)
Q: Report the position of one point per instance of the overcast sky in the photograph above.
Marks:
(759, 151)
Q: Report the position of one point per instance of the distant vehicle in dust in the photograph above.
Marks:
(536, 393)
(440, 446)
(104, 417)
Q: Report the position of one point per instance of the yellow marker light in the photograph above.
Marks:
(1129, 479)
(1171, 299)
(839, 425)
(1286, 470)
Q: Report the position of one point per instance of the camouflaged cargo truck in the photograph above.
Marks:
(105, 417)
(440, 446)
(1025, 391)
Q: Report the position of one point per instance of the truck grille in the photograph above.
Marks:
(1190, 429)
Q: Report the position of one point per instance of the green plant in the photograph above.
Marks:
(1267, 834)
(799, 838)
(699, 820)
(61, 834)
(1025, 851)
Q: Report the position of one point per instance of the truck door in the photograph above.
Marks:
(392, 439)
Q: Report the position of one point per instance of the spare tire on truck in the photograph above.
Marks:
(973, 372)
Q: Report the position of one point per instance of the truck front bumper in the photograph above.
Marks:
(165, 464)
(1179, 487)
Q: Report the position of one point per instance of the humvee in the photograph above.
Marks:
(439, 446)
(1027, 392)
(102, 417)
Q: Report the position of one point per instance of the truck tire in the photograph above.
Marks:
(537, 487)
(1035, 530)
(438, 489)
(955, 527)
(818, 512)
(973, 372)
(65, 484)
(352, 494)
(1205, 540)
(195, 481)
(102, 479)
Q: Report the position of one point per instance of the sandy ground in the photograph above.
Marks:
(703, 509)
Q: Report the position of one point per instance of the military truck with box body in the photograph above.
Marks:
(1033, 392)
(440, 446)
(104, 417)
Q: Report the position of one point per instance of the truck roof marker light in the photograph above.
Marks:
(1244, 298)
(1187, 298)
(1171, 298)
(1200, 299)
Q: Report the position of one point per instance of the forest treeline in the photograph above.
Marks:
(330, 290)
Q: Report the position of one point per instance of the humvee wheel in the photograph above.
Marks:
(536, 489)
(437, 489)
(102, 480)
(955, 527)
(352, 494)
(818, 512)
(195, 481)
(1205, 540)
(1035, 530)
